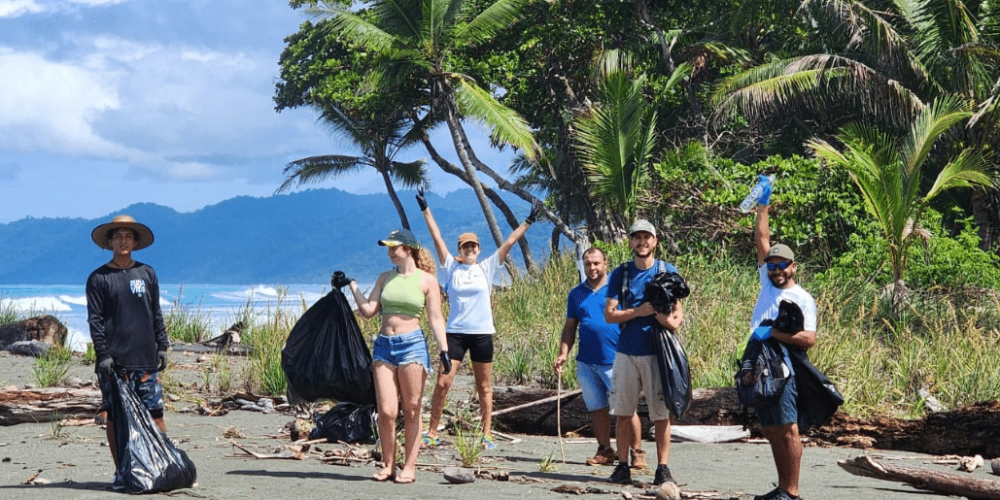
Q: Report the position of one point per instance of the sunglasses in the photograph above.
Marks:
(771, 266)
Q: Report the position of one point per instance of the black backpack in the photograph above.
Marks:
(763, 373)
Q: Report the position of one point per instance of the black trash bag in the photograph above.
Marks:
(790, 318)
(818, 399)
(148, 462)
(348, 423)
(326, 357)
(664, 290)
(762, 374)
(675, 372)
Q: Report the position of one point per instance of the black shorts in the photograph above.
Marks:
(479, 345)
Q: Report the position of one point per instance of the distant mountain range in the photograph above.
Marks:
(298, 238)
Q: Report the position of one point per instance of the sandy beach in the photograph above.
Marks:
(75, 463)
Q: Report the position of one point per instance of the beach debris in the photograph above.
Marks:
(33, 348)
(947, 483)
(572, 489)
(287, 452)
(345, 456)
(47, 404)
(668, 491)
(995, 465)
(969, 464)
(47, 329)
(31, 479)
(459, 475)
(232, 432)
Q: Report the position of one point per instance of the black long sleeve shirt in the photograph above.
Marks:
(123, 311)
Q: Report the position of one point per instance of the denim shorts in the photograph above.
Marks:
(401, 349)
(784, 411)
(146, 385)
(595, 383)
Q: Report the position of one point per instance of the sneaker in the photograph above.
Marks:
(488, 443)
(118, 484)
(621, 474)
(776, 494)
(428, 441)
(605, 456)
(662, 475)
(638, 459)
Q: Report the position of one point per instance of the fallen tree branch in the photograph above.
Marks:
(925, 479)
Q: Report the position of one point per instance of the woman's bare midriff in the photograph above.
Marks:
(395, 324)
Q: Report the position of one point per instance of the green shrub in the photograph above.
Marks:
(50, 370)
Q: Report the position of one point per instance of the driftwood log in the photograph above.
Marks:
(973, 430)
(708, 407)
(948, 483)
(46, 329)
(46, 405)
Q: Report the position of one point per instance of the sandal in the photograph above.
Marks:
(488, 443)
(428, 441)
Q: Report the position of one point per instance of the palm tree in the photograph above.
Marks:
(416, 41)
(884, 64)
(380, 137)
(887, 170)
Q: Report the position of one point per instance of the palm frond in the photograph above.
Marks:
(314, 169)
(506, 126)
(491, 20)
(409, 174)
(350, 26)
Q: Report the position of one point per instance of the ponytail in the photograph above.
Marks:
(425, 261)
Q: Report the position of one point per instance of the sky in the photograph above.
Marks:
(107, 103)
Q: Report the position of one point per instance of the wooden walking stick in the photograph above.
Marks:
(559, 416)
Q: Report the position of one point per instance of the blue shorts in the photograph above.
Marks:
(784, 411)
(595, 383)
(146, 385)
(401, 349)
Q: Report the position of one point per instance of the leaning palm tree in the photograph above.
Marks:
(380, 137)
(887, 170)
(417, 43)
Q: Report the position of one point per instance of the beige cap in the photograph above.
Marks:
(466, 238)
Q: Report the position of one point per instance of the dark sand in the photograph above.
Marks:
(77, 463)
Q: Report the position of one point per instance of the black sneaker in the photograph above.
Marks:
(662, 475)
(776, 494)
(621, 475)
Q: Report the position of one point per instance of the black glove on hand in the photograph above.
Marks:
(421, 199)
(445, 362)
(536, 207)
(340, 280)
(106, 366)
(161, 359)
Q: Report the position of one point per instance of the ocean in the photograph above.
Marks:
(220, 303)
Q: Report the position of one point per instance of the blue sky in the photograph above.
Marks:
(106, 103)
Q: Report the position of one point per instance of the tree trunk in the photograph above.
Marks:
(948, 483)
(395, 199)
(46, 405)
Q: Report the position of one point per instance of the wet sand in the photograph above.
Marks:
(77, 464)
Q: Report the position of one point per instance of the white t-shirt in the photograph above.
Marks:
(770, 297)
(468, 288)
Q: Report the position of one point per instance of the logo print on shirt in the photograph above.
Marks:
(138, 287)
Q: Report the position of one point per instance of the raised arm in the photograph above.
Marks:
(518, 232)
(762, 233)
(432, 227)
(368, 306)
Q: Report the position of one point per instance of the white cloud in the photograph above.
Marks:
(15, 8)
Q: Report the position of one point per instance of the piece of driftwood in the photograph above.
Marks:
(948, 483)
(531, 410)
(288, 452)
(969, 431)
(47, 404)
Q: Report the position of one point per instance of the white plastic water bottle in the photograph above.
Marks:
(750, 202)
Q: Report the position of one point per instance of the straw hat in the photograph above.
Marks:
(100, 233)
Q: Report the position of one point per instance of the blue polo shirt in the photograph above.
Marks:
(638, 336)
(597, 338)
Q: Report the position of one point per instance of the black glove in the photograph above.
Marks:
(445, 362)
(340, 280)
(106, 366)
(421, 199)
(161, 358)
(536, 207)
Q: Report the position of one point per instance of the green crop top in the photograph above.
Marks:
(402, 294)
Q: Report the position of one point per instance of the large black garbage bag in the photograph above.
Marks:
(790, 318)
(148, 461)
(762, 375)
(346, 422)
(664, 290)
(326, 357)
(675, 372)
(818, 397)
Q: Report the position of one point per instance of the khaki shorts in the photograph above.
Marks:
(632, 375)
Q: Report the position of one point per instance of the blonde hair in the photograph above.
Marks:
(422, 257)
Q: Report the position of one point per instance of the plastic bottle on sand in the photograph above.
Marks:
(750, 202)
